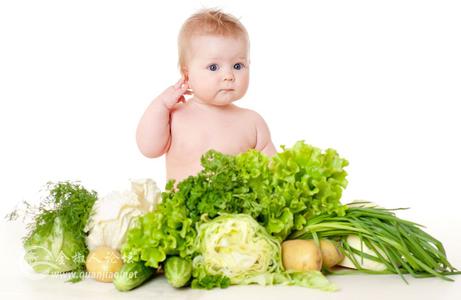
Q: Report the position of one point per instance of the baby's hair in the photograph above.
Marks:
(207, 22)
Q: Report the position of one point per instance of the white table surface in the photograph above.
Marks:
(18, 281)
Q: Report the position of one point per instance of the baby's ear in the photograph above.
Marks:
(185, 73)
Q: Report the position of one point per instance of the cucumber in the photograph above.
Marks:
(132, 275)
(178, 271)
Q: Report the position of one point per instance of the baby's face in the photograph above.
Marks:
(218, 68)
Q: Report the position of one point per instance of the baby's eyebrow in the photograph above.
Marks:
(220, 58)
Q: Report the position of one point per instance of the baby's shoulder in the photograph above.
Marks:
(250, 115)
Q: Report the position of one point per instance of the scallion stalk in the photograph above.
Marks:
(401, 245)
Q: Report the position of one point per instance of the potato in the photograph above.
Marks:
(331, 255)
(301, 255)
(103, 262)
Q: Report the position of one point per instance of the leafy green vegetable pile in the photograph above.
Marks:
(280, 193)
(226, 224)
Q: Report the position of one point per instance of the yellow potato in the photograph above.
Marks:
(103, 262)
(301, 255)
(331, 255)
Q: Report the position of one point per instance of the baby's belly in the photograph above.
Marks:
(179, 170)
(183, 157)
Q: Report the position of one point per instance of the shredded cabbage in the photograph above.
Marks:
(236, 247)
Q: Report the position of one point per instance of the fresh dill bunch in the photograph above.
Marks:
(55, 239)
(70, 202)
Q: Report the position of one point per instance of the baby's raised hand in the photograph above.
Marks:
(175, 94)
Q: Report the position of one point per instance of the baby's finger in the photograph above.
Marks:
(184, 86)
(179, 93)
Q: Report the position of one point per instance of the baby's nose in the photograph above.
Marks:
(229, 76)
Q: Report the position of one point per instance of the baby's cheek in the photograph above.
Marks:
(203, 92)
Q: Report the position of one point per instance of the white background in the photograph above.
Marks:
(379, 81)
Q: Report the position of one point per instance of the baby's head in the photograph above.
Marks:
(214, 57)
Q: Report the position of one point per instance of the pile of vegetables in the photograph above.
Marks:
(291, 196)
(244, 219)
(280, 194)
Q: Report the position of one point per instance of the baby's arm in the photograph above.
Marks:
(263, 137)
(153, 132)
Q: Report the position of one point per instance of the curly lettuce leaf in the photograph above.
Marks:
(309, 181)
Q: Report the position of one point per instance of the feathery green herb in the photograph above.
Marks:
(55, 242)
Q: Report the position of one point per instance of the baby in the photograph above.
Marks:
(214, 63)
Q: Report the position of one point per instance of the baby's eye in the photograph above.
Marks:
(238, 66)
(213, 67)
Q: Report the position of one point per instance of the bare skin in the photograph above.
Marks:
(217, 74)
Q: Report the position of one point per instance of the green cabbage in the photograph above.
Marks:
(236, 247)
(55, 242)
(54, 252)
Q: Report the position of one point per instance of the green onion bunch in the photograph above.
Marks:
(401, 245)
